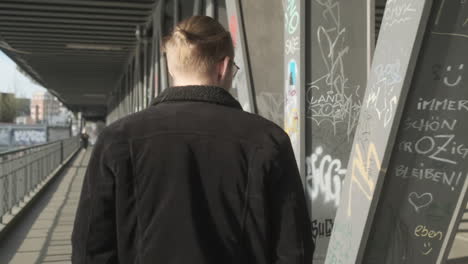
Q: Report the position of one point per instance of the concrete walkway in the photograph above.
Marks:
(43, 234)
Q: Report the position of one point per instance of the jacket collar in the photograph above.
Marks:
(197, 93)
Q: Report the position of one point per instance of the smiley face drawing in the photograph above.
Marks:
(427, 249)
(457, 81)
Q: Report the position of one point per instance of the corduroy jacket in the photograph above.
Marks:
(192, 179)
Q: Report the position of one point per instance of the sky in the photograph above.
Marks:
(12, 81)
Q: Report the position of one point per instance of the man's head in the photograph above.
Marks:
(200, 52)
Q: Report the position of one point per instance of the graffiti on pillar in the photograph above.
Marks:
(292, 45)
(381, 96)
(292, 115)
(333, 101)
(324, 178)
(293, 83)
(363, 167)
(333, 104)
(332, 98)
(25, 137)
(291, 16)
(452, 74)
(397, 14)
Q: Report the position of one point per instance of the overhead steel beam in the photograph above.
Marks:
(6, 35)
(107, 76)
(82, 63)
(65, 67)
(72, 15)
(77, 57)
(81, 87)
(45, 27)
(62, 8)
(134, 4)
(25, 30)
(8, 24)
(84, 84)
(103, 59)
(87, 58)
(78, 71)
(81, 66)
(13, 39)
(85, 102)
(62, 46)
(91, 83)
(68, 21)
(102, 84)
(94, 80)
(21, 40)
(96, 96)
(97, 87)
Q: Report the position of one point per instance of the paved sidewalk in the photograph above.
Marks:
(43, 236)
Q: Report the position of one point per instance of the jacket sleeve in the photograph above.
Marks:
(94, 233)
(289, 220)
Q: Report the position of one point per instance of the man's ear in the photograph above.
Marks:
(223, 68)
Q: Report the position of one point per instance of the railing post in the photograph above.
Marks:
(61, 151)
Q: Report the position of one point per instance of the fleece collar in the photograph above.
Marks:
(197, 93)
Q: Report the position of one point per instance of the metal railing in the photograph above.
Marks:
(23, 170)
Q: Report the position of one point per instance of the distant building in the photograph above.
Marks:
(23, 111)
(63, 117)
(24, 120)
(44, 107)
(7, 108)
(23, 107)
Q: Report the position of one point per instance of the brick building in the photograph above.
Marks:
(44, 107)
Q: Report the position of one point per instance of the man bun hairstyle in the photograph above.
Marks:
(197, 44)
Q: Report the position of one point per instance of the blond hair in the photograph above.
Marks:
(197, 44)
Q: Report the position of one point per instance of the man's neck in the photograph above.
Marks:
(195, 82)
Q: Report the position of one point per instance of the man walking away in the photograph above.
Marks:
(193, 179)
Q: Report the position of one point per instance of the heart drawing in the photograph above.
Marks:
(419, 201)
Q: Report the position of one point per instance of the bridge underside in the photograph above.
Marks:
(77, 49)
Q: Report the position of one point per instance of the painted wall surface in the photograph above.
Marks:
(4, 136)
(335, 83)
(58, 133)
(28, 135)
(264, 37)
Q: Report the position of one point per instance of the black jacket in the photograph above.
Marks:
(193, 179)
